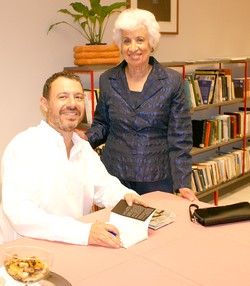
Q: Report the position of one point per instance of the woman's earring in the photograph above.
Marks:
(152, 50)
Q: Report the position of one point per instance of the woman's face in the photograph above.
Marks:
(135, 47)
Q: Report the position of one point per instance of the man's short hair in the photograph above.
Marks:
(66, 74)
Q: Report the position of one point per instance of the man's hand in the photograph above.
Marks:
(105, 235)
(188, 194)
(81, 134)
(133, 198)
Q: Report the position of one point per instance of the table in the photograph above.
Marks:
(181, 253)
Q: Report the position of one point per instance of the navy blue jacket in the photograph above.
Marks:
(150, 140)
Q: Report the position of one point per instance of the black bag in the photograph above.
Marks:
(220, 215)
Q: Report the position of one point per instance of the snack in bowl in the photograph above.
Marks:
(27, 264)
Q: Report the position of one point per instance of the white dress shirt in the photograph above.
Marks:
(44, 192)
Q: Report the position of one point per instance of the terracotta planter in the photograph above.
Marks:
(96, 55)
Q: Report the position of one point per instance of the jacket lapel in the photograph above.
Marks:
(151, 86)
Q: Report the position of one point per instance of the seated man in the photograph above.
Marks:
(51, 177)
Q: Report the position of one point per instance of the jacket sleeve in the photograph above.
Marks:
(180, 137)
(99, 130)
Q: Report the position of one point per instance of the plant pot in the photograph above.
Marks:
(96, 55)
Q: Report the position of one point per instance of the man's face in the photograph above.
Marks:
(65, 107)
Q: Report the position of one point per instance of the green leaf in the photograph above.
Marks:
(95, 18)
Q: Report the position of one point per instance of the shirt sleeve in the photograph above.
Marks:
(24, 213)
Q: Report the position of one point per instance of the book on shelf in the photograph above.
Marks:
(88, 102)
(207, 133)
(197, 97)
(189, 92)
(204, 74)
(233, 122)
(228, 84)
(241, 109)
(225, 126)
(198, 128)
(197, 180)
(219, 169)
(239, 121)
(198, 92)
(205, 89)
(239, 87)
(203, 175)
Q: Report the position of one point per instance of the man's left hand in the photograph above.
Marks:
(133, 198)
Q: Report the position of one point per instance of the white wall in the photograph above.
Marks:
(28, 55)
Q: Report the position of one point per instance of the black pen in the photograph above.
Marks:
(112, 232)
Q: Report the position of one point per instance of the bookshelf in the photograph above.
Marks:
(242, 64)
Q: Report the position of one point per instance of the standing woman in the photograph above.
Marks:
(142, 114)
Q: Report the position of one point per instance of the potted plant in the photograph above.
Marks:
(90, 22)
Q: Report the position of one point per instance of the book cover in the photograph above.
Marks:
(197, 179)
(198, 127)
(205, 89)
(131, 221)
(88, 102)
(207, 133)
(239, 87)
(190, 78)
(161, 218)
(211, 75)
(191, 102)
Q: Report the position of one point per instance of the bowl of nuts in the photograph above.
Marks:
(27, 264)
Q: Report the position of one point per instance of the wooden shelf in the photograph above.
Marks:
(221, 186)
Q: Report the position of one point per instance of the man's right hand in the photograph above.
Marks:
(105, 235)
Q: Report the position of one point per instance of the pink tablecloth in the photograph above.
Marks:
(182, 253)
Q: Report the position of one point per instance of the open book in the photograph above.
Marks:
(161, 218)
(132, 222)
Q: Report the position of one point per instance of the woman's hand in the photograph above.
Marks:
(81, 134)
(105, 235)
(188, 194)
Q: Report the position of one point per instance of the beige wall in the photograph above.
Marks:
(28, 55)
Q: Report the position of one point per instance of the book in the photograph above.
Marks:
(190, 97)
(239, 120)
(239, 87)
(226, 126)
(161, 218)
(198, 128)
(89, 102)
(131, 221)
(212, 75)
(233, 121)
(190, 78)
(207, 133)
(205, 89)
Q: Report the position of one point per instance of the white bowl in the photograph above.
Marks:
(27, 264)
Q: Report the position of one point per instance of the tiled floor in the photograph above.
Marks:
(238, 195)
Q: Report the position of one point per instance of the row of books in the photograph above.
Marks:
(218, 170)
(219, 128)
(89, 102)
(214, 86)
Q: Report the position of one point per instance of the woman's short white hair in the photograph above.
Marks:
(134, 18)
